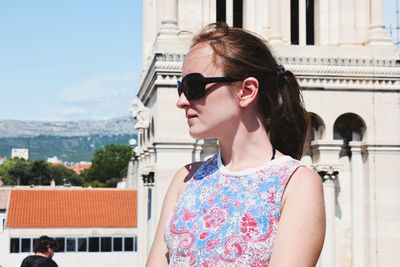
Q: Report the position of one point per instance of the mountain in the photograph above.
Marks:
(70, 141)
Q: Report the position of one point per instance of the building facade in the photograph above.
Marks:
(93, 227)
(350, 74)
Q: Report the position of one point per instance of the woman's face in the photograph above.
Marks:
(216, 113)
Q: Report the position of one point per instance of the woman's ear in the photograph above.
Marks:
(248, 92)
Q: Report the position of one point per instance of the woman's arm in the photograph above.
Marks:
(301, 228)
(158, 256)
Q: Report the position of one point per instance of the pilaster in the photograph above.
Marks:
(328, 175)
(359, 212)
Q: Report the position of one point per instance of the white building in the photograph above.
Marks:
(93, 227)
(22, 153)
(350, 74)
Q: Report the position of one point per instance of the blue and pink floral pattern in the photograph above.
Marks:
(228, 218)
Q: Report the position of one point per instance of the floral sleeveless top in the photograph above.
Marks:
(226, 218)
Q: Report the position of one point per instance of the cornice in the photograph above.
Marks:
(330, 61)
(312, 72)
(164, 70)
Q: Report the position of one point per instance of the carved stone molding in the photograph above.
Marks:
(343, 83)
(339, 61)
(327, 172)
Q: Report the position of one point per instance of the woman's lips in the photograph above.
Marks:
(189, 117)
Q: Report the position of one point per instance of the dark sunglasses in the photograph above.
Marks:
(193, 85)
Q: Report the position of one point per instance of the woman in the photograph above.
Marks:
(251, 204)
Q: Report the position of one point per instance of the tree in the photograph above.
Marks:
(5, 172)
(62, 174)
(39, 173)
(20, 173)
(26, 172)
(108, 163)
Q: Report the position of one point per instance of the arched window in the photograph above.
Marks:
(316, 131)
(348, 127)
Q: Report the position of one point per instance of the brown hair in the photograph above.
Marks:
(43, 243)
(280, 103)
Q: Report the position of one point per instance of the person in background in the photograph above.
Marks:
(252, 203)
(44, 250)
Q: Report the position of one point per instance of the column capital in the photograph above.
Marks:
(327, 172)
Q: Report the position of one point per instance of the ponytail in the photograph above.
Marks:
(289, 121)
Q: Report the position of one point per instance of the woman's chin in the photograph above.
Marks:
(198, 134)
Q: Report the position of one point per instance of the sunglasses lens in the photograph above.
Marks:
(192, 86)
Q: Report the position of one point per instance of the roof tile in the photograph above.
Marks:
(72, 208)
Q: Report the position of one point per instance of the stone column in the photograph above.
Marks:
(275, 21)
(328, 174)
(322, 17)
(325, 154)
(229, 12)
(359, 211)
(169, 23)
(198, 147)
(377, 34)
(250, 15)
(361, 13)
(302, 22)
(141, 216)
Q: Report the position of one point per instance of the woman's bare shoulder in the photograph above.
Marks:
(183, 175)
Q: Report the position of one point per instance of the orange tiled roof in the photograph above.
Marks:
(79, 167)
(72, 208)
(55, 163)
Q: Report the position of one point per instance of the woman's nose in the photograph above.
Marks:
(182, 101)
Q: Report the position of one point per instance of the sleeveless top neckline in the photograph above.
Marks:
(247, 171)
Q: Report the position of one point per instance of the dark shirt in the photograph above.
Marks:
(38, 261)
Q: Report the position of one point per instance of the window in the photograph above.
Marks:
(238, 13)
(25, 245)
(117, 243)
(294, 22)
(14, 245)
(128, 244)
(34, 243)
(71, 244)
(94, 244)
(221, 10)
(60, 244)
(149, 197)
(82, 244)
(310, 22)
(106, 244)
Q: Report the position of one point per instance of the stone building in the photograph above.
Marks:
(350, 74)
(93, 227)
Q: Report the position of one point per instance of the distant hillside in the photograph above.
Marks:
(70, 141)
(14, 128)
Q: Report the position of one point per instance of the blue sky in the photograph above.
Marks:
(74, 59)
(71, 59)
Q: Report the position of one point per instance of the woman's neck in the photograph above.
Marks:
(245, 149)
